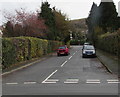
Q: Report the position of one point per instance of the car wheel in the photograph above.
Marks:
(83, 56)
(58, 54)
(66, 54)
(95, 56)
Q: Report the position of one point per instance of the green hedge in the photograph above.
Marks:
(18, 49)
(109, 43)
(74, 42)
(77, 42)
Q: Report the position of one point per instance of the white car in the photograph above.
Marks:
(88, 50)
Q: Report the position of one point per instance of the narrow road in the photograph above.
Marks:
(64, 75)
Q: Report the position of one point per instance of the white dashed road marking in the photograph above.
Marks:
(113, 82)
(49, 77)
(71, 81)
(63, 63)
(74, 54)
(67, 81)
(93, 81)
(11, 83)
(110, 81)
(70, 57)
(29, 82)
(51, 81)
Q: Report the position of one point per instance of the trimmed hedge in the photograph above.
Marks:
(110, 43)
(18, 49)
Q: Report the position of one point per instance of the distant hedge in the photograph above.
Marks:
(77, 42)
(110, 43)
(18, 49)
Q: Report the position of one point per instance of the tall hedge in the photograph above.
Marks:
(18, 49)
(110, 43)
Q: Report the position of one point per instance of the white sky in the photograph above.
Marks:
(75, 9)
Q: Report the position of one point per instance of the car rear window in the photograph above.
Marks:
(61, 47)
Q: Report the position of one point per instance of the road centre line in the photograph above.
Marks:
(64, 63)
(73, 54)
(70, 57)
(49, 76)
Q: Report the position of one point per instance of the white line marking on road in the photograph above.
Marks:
(63, 63)
(73, 54)
(112, 80)
(93, 82)
(67, 82)
(29, 82)
(70, 81)
(11, 83)
(52, 80)
(49, 76)
(49, 82)
(70, 57)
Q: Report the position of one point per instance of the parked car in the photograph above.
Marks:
(62, 50)
(88, 50)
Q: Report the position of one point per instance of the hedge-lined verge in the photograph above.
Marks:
(110, 43)
(18, 49)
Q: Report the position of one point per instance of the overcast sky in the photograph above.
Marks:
(75, 9)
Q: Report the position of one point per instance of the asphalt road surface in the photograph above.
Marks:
(64, 75)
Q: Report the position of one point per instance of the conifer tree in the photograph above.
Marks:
(49, 17)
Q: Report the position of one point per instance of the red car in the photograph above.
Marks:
(62, 50)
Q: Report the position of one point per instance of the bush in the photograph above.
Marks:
(74, 42)
(109, 43)
(18, 49)
(8, 53)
